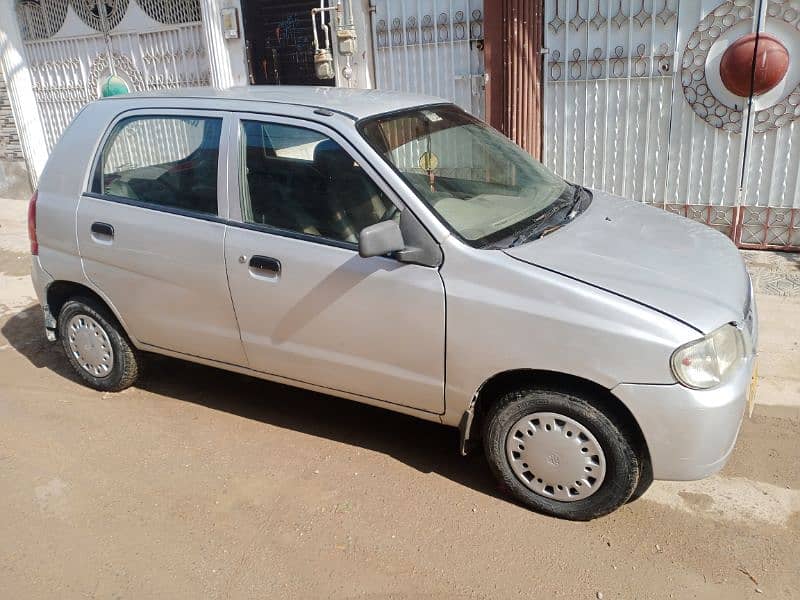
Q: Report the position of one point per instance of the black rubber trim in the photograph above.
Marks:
(217, 98)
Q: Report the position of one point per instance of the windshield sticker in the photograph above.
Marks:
(431, 116)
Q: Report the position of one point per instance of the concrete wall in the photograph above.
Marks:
(14, 178)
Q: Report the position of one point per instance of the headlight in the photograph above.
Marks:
(709, 361)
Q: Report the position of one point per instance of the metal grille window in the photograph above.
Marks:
(431, 47)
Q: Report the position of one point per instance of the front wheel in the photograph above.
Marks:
(559, 455)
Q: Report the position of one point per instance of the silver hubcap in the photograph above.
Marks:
(90, 345)
(555, 456)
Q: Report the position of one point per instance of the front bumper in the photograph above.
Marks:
(690, 433)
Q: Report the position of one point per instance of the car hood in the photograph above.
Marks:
(672, 264)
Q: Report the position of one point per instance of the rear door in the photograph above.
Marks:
(309, 307)
(151, 232)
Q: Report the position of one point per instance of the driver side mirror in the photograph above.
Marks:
(379, 239)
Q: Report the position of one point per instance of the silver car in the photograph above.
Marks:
(394, 250)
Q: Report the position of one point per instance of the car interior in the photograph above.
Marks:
(188, 183)
(317, 188)
(328, 195)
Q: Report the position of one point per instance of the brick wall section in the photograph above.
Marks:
(10, 148)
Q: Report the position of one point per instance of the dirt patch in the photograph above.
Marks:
(14, 264)
(202, 483)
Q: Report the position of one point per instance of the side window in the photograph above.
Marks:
(168, 161)
(301, 180)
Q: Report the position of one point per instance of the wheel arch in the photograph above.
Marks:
(58, 292)
(471, 425)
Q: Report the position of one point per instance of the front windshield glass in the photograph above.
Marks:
(480, 183)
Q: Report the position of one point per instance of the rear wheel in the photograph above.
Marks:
(96, 346)
(558, 454)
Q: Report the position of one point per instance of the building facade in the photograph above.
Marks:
(14, 180)
(655, 100)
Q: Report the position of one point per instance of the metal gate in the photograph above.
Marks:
(634, 103)
(73, 46)
(431, 47)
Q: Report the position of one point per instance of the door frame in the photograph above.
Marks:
(514, 85)
(233, 146)
(223, 160)
(235, 221)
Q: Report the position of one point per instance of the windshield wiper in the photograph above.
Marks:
(577, 199)
(545, 224)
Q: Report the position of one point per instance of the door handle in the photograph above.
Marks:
(267, 265)
(102, 233)
(103, 229)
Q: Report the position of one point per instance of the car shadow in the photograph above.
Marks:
(25, 333)
(425, 446)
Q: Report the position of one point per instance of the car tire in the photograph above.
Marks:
(96, 345)
(645, 481)
(587, 466)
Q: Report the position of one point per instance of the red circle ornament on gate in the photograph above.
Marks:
(771, 64)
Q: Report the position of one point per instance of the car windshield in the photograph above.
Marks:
(482, 185)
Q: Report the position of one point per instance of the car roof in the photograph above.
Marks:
(356, 103)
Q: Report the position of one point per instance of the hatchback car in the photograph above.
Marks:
(394, 250)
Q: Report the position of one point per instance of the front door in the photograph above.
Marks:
(309, 307)
(150, 234)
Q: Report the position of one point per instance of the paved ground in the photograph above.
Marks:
(204, 484)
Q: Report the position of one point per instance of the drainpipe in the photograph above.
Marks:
(371, 66)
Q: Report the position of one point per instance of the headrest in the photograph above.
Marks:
(331, 159)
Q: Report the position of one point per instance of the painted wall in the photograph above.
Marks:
(14, 177)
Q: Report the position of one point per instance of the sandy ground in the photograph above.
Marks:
(203, 484)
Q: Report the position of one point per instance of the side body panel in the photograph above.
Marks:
(372, 327)
(503, 314)
(165, 273)
(59, 192)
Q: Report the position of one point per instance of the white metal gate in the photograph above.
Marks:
(72, 46)
(431, 47)
(634, 104)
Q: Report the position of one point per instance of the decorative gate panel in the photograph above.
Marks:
(431, 47)
(608, 93)
(771, 194)
(708, 137)
(635, 104)
(72, 48)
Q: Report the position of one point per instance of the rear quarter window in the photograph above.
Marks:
(169, 161)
